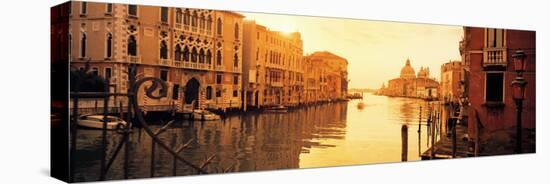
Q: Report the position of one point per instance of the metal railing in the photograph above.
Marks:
(156, 89)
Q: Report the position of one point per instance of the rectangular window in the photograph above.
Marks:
(218, 78)
(208, 93)
(236, 79)
(257, 53)
(83, 8)
(218, 93)
(164, 75)
(132, 10)
(164, 14)
(95, 71)
(494, 87)
(109, 8)
(495, 38)
(175, 91)
(235, 93)
(108, 73)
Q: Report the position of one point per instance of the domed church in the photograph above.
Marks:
(411, 84)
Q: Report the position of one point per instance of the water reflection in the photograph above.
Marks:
(325, 135)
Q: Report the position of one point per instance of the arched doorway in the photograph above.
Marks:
(192, 92)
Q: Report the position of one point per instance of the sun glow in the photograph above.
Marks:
(375, 50)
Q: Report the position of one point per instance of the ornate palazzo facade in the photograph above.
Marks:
(197, 52)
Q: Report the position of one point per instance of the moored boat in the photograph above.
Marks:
(96, 122)
(279, 109)
(361, 105)
(204, 115)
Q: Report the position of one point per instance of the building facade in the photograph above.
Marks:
(410, 84)
(451, 78)
(197, 52)
(326, 77)
(273, 70)
(489, 72)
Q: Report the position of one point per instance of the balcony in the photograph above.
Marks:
(179, 26)
(165, 62)
(494, 58)
(204, 66)
(195, 66)
(178, 64)
(219, 68)
(236, 69)
(277, 84)
(134, 59)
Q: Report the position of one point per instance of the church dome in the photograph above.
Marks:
(407, 71)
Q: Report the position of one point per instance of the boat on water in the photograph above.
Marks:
(204, 115)
(96, 122)
(278, 109)
(361, 105)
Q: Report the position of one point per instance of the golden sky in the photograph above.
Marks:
(376, 50)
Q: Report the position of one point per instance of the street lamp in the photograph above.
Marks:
(518, 93)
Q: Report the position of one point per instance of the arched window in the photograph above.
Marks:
(202, 22)
(163, 50)
(208, 57)
(83, 45)
(186, 17)
(177, 53)
(236, 31)
(194, 55)
(236, 60)
(201, 56)
(179, 15)
(219, 26)
(209, 23)
(194, 19)
(186, 54)
(132, 46)
(219, 58)
(109, 53)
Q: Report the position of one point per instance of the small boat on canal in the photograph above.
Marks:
(277, 109)
(96, 122)
(204, 115)
(360, 105)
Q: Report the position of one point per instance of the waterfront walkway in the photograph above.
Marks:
(444, 147)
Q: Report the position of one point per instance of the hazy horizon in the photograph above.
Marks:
(376, 50)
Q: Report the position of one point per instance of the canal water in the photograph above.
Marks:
(333, 134)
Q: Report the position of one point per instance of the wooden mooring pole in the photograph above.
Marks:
(454, 136)
(404, 142)
(432, 152)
